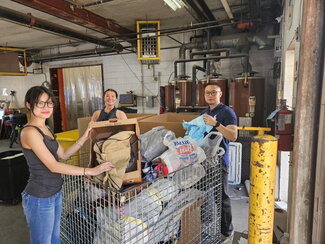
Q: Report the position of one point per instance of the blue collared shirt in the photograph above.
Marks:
(226, 116)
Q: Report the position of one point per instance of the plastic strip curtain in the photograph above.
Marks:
(83, 91)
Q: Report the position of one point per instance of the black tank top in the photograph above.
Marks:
(42, 182)
(103, 116)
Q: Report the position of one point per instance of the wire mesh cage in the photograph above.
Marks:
(181, 207)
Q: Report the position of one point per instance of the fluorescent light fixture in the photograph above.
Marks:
(174, 4)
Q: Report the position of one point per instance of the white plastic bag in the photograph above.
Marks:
(211, 144)
(186, 150)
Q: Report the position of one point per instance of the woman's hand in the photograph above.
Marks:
(209, 120)
(86, 135)
(100, 169)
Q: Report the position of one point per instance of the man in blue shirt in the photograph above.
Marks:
(224, 120)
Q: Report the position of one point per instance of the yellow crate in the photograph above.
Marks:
(66, 140)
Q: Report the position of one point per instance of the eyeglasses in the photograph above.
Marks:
(211, 93)
(41, 104)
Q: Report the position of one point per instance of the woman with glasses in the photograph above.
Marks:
(42, 198)
(110, 111)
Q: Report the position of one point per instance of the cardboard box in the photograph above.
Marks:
(171, 121)
(104, 129)
(83, 124)
(191, 224)
(84, 150)
(138, 116)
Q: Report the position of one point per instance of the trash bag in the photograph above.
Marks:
(152, 142)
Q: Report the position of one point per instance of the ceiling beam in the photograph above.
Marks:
(83, 17)
(33, 22)
(225, 4)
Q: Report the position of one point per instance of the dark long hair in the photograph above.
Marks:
(33, 94)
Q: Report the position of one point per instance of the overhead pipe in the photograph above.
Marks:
(237, 40)
(206, 10)
(86, 54)
(182, 52)
(197, 10)
(194, 68)
(205, 58)
(28, 19)
(206, 64)
(242, 43)
(80, 16)
(72, 55)
(210, 51)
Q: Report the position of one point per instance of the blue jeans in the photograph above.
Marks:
(43, 218)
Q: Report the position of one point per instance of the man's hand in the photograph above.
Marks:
(209, 120)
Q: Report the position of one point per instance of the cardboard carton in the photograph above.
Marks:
(171, 121)
(84, 150)
(104, 129)
(191, 224)
(138, 116)
(83, 124)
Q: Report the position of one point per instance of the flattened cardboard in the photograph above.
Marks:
(104, 129)
(171, 121)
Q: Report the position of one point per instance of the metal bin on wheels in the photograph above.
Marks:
(183, 206)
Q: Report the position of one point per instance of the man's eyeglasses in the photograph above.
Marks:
(41, 104)
(211, 93)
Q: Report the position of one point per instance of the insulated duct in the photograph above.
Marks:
(242, 43)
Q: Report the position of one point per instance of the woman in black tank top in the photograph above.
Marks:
(42, 198)
(109, 112)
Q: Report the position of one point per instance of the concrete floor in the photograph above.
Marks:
(14, 230)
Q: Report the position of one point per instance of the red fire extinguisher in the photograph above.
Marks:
(284, 127)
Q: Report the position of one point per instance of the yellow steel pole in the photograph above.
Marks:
(262, 184)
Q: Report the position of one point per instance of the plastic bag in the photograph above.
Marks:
(171, 160)
(152, 142)
(132, 230)
(146, 206)
(196, 128)
(189, 176)
(167, 225)
(186, 150)
(166, 189)
(211, 144)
